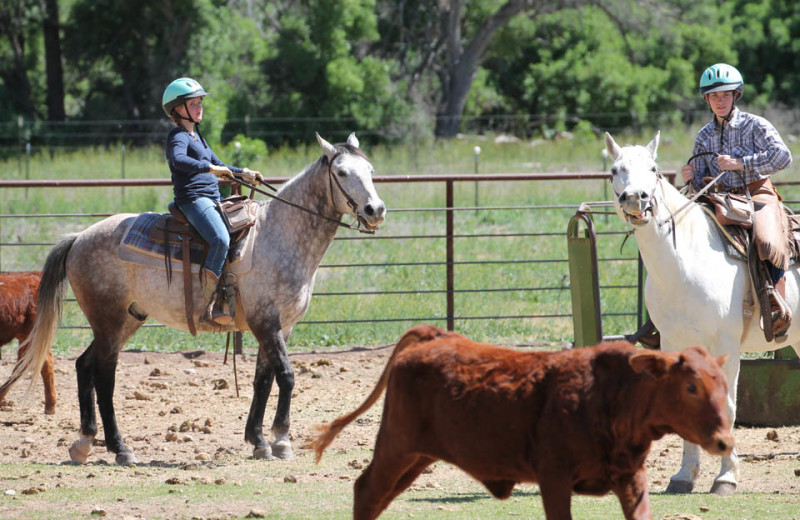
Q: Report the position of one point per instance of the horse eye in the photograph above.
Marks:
(692, 389)
(341, 173)
(654, 169)
(613, 171)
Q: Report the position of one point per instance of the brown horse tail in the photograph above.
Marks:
(326, 433)
(48, 314)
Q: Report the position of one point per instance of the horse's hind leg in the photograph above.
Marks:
(96, 369)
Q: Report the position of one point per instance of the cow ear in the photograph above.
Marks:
(655, 364)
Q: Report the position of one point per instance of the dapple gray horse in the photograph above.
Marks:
(117, 296)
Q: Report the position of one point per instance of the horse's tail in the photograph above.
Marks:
(48, 314)
(326, 433)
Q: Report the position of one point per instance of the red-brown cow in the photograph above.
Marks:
(577, 421)
(18, 294)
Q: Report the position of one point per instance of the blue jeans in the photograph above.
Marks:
(204, 215)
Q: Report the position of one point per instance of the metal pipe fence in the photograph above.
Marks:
(460, 255)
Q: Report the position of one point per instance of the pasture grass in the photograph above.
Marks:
(232, 489)
(528, 275)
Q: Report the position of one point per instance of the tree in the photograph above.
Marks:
(51, 28)
(127, 52)
(18, 21)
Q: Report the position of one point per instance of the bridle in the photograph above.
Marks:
(331, 180)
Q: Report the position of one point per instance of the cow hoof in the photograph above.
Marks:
(50, 410)
(264, 453)
(679, 487)
(282, 449)
(723, 489)
(79, 452)
(126, 458)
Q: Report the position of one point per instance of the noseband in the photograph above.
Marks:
(332, 179)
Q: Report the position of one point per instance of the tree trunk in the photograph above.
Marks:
(462, 63)
(13, 71)
(55, 71)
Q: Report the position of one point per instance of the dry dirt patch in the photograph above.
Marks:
(180, 410)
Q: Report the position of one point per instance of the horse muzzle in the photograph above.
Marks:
(372, 216)
(637, 208)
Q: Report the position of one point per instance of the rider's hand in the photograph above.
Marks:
(252, 175)
(687, 172)
(221, 171)
(726, 162)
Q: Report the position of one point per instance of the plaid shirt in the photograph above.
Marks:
(746, 136)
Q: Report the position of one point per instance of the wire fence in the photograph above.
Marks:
(453, 268)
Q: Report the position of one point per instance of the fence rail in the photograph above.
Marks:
(450, 234)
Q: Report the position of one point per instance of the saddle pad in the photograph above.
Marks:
(136, 247)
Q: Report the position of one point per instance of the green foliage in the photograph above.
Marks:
(281, 70)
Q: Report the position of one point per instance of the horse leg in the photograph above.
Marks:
(262, 386)
(96, 368)
(273, 362)
(726, 482)
(84, 367)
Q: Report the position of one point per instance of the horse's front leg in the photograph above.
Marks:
(105, 381)
(262, 385)
(726, 482)
(273, 363)
(683, 481)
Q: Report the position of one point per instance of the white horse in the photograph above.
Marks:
(117, 296)
(694, 292)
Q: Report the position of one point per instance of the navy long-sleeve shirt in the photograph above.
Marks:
(189, 159)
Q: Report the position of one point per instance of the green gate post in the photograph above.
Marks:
(583, 281)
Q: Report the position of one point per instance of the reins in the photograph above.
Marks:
(696, 195)
(350, 202)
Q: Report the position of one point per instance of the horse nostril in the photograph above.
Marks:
(369, 210)
(623, 197)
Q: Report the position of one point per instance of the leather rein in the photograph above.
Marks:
(332, 180)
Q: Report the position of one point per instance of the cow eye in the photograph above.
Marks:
(692, 389)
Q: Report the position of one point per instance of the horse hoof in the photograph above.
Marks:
(679, 487)
(282, 449)
(126, 458)
(723, 489)
(79, 452)
(264, 453)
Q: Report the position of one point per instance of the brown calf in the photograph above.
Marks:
(577, 421)
(18, 294)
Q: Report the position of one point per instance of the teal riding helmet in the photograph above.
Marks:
(721, 77)
(179, 91)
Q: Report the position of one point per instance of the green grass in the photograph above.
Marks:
(421, 260)
(231, 489)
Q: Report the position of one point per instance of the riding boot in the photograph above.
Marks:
(212, 312)
(781, 315)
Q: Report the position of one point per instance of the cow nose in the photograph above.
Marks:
(725, 443)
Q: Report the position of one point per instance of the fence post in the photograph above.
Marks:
(449, 246)
(583, 281)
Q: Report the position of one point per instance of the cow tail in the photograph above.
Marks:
(48, 315)
(326, 433)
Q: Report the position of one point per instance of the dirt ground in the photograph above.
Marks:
(182, 409)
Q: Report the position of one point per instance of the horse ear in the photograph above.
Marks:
(653, 146)
(327, 148)
(654, 364)
(352, 140)
(612, 147)
(721, 360)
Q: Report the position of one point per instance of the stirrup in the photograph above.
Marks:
(781, 314)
